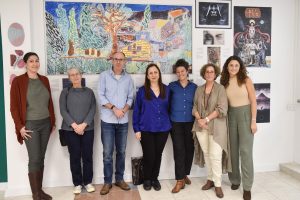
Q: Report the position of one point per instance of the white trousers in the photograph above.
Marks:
(212, 152)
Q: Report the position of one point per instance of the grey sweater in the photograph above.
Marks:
(77, 105)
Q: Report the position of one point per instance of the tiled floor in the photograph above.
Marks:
(267, 186)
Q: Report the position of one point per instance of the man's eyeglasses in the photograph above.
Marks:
(118, 59)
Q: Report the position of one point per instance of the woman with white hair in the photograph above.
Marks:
(77, 107)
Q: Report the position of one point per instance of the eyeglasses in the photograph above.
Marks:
(209, 72)
(118, 59)
(73, 75)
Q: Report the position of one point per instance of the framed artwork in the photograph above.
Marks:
(213, 14)
(85, 35)
(252, 35)
(213, 37)
(262, 92)
(214, 55)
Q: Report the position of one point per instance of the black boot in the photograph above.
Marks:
(34, 184)
(44, 195)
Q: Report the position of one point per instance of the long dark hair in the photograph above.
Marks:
(241, 75)
(147, 84)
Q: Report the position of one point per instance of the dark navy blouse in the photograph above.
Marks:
(151, 115)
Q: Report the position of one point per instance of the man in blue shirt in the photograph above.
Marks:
(115, 95)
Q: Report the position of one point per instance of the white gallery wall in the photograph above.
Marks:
(297, 85)
(275, 142)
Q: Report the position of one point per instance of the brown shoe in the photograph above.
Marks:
(180, 184)
(209, 184)
(105, 189)
(235, 187)
(122, 185)
(247, 195)
(219, 192)
(187, 180)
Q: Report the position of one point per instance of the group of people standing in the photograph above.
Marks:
(216, 122)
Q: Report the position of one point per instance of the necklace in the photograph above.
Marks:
(206, 102)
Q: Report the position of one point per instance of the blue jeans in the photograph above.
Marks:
(113, 135)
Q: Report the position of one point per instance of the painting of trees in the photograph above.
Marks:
(85, 35)
(112, 19)
(91, 37)
(147, 17)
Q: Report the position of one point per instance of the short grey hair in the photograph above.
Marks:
(74, 68)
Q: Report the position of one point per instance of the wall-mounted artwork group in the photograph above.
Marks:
(86, 34)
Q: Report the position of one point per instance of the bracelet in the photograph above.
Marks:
(253, 119)
(207, 120)
(112, 107)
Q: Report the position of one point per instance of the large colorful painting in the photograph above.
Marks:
(85, 35)
(252, 35)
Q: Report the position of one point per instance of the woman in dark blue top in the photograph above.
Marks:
(151, 123)
(182, 94)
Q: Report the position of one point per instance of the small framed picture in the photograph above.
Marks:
(213, 14)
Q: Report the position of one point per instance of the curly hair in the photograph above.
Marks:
(181, 63)
(241, 75)
(147, 83)
(203, 70)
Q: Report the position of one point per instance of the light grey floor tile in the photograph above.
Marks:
(267, 186)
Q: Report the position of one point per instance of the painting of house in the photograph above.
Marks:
(85, 35)
(138, 51)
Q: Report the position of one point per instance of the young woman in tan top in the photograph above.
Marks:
(241, 122)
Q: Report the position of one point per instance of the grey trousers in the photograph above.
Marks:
(241, 144)
(37, 144)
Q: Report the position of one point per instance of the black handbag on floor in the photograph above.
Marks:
(62, 133)
(62, 137)
(137, 170)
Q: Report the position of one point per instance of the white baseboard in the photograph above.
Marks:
(3, 186)
(266, 168)
(17, 191)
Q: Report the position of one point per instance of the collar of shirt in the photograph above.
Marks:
(112, 73)
(178, 83)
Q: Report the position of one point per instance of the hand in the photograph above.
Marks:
(81, 128)
(138, 135)
(76, 128)
(53, 129)
(118, 112)
(202, 123)
(253, 127)
(25, 133)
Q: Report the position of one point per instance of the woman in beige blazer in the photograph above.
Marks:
(210, 128)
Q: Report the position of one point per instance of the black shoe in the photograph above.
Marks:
(235, 187)
(147, 185)
(156, 185)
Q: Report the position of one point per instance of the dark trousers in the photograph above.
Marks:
(81, 148)
(183, 148)
(153, 145)
(37, 144)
